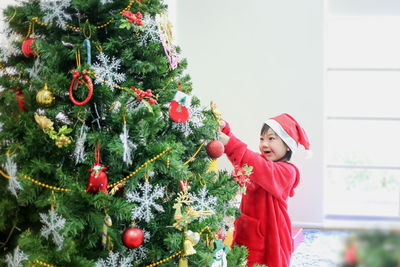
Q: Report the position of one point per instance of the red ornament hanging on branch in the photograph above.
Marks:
(20, 98)
(178, 109)
(27, 47)
(215, 149)
(132, 237)
(76, 80)
(98, 177)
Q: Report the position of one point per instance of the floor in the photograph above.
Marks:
(320, 248)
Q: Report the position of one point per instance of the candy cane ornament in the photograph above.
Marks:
(88, 50)
(107, 223)
(76, 80)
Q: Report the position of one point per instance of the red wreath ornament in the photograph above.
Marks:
(76, 80)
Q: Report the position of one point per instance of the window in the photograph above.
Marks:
(362, 108)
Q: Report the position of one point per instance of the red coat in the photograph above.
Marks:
(264, 226)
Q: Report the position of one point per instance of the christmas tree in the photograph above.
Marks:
(102, 153)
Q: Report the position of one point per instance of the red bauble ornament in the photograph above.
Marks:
(215, 149)
(132, 237)
(27, 47)
(75, 81)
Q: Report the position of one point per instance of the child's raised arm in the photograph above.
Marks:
(278, 178)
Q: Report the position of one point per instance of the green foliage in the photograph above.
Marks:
(150, 128)
(376, 248)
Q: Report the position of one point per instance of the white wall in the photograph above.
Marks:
(257, 59)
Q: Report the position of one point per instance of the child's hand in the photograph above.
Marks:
(222, 125)
(223, 138)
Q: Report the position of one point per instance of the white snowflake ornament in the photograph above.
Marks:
(11, 168)
(16, 259)
(106, 71)
(203, 202)
(196, 116)
(138, 254)
(114, 259)
(195, 121)
(55, 10)
(52, 224)
(149, 31)
(146, 201)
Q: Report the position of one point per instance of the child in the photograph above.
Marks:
(264, 226)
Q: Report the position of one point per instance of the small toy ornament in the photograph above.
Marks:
(219, 259)
(76, 80)
(178, 109)
(45, 97)
(215, 149)
(27, 47)
(132, 237)
(98, 177)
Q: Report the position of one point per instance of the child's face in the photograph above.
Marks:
(271, 146)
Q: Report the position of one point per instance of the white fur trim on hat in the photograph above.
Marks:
(278, 129)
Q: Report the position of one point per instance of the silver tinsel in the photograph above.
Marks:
(79, 152)
(63, 118)
(128, 145)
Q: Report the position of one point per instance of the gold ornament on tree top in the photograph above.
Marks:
(45, 97)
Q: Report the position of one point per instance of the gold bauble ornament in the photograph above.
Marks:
(45, 97)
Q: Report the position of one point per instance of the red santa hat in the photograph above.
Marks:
(290, 131)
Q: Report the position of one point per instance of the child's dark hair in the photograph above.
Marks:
(288, 154)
